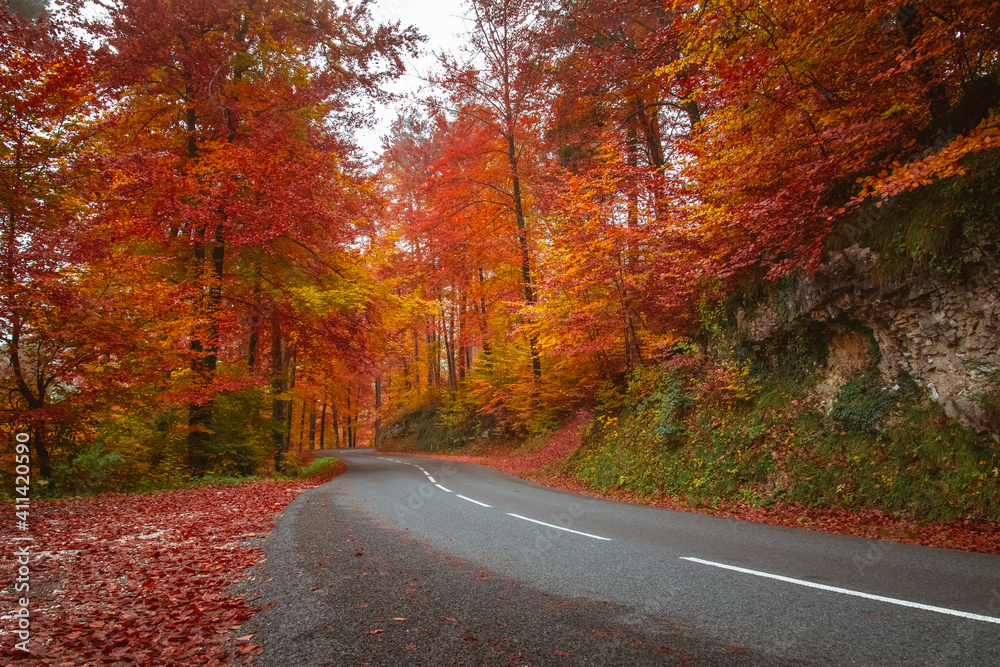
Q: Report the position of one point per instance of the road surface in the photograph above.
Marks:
(488, 569)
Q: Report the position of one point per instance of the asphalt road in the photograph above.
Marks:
(413, 561)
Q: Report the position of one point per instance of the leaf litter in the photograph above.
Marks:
(143, 579)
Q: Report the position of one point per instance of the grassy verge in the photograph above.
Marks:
(300, 466)
(702, 440)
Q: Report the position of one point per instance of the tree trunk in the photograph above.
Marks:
(463, 350)
(335, 424)
(289, 404)
(312, 424)
(277, 388)
(42, 452)
(357, 418)
(199, 415)
(633, 194)
(322, 427)
(449, 344)
(349, 426)
(522, 242)
(378, 407)
(416, 361)
(484, 323)
(254, 341)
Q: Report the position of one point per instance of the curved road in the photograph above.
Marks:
(413, 561)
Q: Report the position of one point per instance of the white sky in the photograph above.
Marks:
(440, 21)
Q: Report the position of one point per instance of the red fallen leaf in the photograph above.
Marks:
(410, 647)
(450, 619)
(96, 624)
(374, 632)
(561, 654)
(664, 649)
(244, 638)
(470, 638)
(399, 619)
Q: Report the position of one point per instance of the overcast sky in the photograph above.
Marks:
(440, 21)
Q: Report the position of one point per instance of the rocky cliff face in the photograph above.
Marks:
(930, 326)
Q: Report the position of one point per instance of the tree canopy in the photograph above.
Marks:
(201, 272)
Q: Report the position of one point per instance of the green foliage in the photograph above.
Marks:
(862, 403)
(928, 229)
(169, 472)
(461, 419)
(660, 395)
(610, 399)
(302, 468)
(977, 196)
(88, 471)
(781, 445)
(795, 352)
(134, 451)
(712, 311)
(420, 430)
(988, 400)
(318, 467)
(240, 444)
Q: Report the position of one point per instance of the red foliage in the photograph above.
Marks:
(142, 579)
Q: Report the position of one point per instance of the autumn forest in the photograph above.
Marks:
(204, 275)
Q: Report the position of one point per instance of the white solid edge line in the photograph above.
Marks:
(472, 501)
(845, 591)
(568, 530)
(442, 488)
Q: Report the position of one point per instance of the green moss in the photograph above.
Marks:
(928, 228)
(862, 403)
(782, 446)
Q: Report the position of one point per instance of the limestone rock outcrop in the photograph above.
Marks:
(930, 326)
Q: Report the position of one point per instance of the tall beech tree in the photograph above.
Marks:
(500, 85)
(614, 133)
(223, 142)
(45, 81)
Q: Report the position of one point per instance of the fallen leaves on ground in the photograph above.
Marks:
(142, 579)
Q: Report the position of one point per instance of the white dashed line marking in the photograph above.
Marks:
(472, 501)
(846, 591)
(568, 530)
(442, 488)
